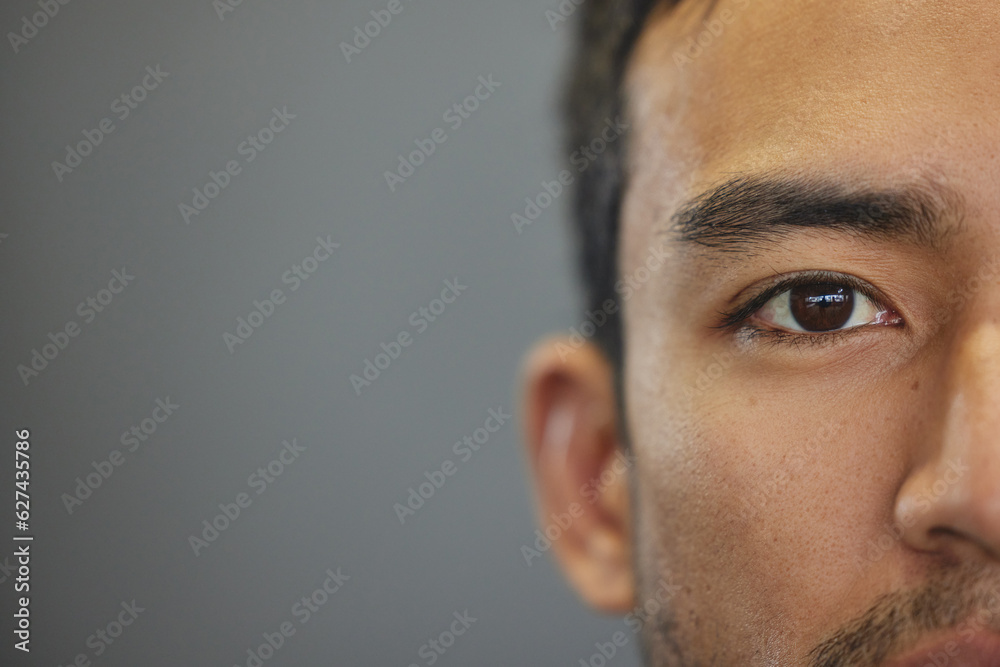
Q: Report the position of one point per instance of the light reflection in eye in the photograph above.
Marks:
(822, 307)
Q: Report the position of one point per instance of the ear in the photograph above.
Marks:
(580, 469)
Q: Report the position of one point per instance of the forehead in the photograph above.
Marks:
(871, 87)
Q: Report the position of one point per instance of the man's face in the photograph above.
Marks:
(789, 479)
(812, 372)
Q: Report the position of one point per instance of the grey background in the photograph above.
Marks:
(163, 335)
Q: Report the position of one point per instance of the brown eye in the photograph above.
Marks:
(821, 307)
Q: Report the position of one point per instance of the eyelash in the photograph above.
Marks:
(735, 321)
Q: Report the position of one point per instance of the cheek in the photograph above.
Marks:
(760, 498)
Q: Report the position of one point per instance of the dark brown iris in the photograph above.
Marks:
(821, 307)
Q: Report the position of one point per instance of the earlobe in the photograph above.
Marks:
(580, 470)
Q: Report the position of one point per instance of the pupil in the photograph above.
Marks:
(821, 307)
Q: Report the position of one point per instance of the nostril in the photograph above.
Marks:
(954, 546)
(940, 534)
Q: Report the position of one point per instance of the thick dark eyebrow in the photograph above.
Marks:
(749, 212)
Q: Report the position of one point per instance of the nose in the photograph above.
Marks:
(951, 503)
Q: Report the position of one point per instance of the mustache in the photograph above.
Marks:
(965, 599)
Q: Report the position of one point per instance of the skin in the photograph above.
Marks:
(834, 441)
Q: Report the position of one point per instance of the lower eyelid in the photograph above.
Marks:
(751, 333)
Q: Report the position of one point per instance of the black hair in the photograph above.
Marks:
(606, 34)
